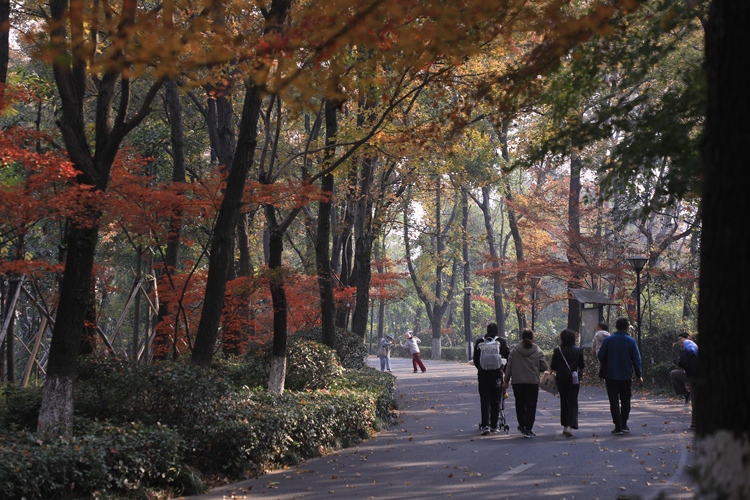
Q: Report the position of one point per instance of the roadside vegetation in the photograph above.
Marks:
(168, 429)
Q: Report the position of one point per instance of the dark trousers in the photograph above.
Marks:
(568, 402)
(619, 393)
(490, 396)
(526, 396)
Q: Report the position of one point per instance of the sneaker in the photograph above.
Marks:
(494, 430)
(485, 431)
(625, 429)
(567, 434)
(618, 432)
(529, 434)
(415, 371)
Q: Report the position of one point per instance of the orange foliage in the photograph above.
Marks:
(386, 286)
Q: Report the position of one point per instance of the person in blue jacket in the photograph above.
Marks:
(619, 352)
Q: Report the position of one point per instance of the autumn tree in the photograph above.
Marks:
(93, 46)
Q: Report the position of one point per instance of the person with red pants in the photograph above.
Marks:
(412, 343)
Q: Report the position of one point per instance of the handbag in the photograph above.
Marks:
(574, 374)
(548, 383)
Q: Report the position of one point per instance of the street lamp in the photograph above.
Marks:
(372, 313)
(638, 263)
(534, 282)
(467, 320)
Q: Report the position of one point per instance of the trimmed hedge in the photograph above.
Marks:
(103, 459)
(165, 422)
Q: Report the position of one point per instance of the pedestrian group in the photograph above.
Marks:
(619, 361)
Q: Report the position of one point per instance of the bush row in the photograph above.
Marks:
(155, 426)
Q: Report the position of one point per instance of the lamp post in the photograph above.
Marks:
(467, 321)
(372, 313)
(534, 282)
(638, 263)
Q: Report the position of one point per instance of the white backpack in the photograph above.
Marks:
(489, 355)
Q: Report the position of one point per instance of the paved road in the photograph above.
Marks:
(436, 451)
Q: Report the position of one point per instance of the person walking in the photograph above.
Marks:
(567, 363)
(687, 367)
(525, 362)
(490, 352)
(620, 355)
(602, 332)
(412, 343)
(384, 352)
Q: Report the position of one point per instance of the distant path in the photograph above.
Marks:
(435, 450)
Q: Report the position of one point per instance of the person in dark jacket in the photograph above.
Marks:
(490, 383)
(619, 352)
(567, 360)
(687, 368)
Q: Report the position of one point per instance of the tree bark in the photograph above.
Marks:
(467, 274)
(323, 233)
(56, 413)
(721, 394)
(574, 239)
(4, 41)
(515, 232)
(70, 73)
(162, 341)
(497, 286)
(222, 240)
(278, 297)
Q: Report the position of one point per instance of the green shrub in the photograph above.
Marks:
(350, 349)
(185, 420)
(21, 407)
(310, 365)
(105, 459)
(383, 385)
(172, 393)
(250, 371)
(258, 430)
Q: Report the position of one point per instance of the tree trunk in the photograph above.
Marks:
(222, 241)
(347, 256)
(467, 275)
(687, 300)
(278, 298)
(236, 339)
(721, 395)
(574, 242)
(323, 234)
(94, 166)
(162, 341)
(497, 286)
(4, 40)
(56, 412)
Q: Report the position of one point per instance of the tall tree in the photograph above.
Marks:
(222, 239)
(72, 71)
(722, 398)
